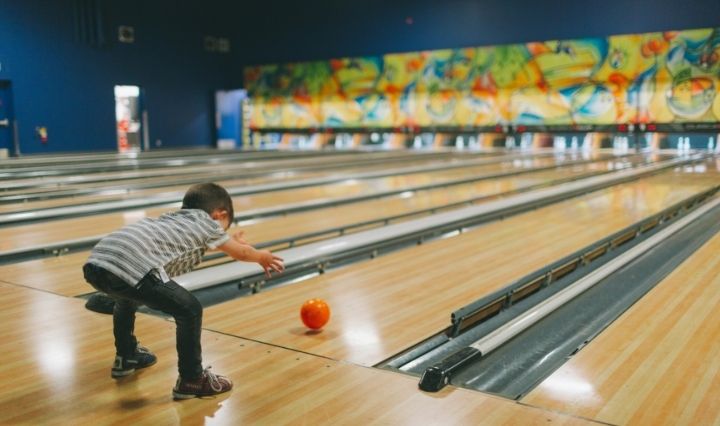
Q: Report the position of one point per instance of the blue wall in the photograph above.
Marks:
(322, 29)
(67, 85)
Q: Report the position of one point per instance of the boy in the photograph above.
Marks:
(132, 265)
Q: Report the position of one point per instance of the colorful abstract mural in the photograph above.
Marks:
(663, 77)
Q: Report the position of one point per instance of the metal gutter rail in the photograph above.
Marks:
(439, 375)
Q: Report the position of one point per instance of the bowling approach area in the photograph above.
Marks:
(496, 286)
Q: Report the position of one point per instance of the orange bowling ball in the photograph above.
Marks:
(315, 313)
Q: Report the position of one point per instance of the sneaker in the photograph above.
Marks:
(207, 384)
(125, 366)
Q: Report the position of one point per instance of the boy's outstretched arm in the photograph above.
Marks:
(239, 236)
(247, 253)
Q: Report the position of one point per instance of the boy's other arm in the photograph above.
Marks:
(247, 253)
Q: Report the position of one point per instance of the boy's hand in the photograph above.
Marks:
(247, 253)
(270, 263)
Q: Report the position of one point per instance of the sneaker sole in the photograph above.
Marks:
(183, 395)
(116, 374)
(121, 373)
(177, 395)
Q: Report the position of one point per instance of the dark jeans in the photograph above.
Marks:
(168, 297)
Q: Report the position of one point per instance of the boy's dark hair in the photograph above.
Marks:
(208, 197)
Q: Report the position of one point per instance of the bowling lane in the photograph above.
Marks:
(64, 353)
(239, 165)
(286, 171)
(154, 156)
(118, 191)
(33, 234)
(63, 275)
(132, 174)
(383, 306)
(658, 363)
(278, 227)
(63, 170)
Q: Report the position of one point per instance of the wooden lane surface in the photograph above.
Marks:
(130, 167)
(383, 306)
(213, 167)
(33, 234)
(274, 228)
(62, 275)
(270, 165)
(118, 191)
(55, 358)
(51, 160)
(659, 363)
(210, 174)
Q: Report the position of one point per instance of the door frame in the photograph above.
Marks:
(142, 117)
(14, 149)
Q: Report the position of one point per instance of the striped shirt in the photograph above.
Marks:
(175, 241)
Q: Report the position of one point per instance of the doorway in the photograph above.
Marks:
(130, 119)
(7, 121)
(229, 118)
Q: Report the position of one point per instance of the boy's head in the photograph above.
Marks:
(211, 198)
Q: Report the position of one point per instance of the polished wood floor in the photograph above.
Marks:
(657, 364)
(55, 370)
